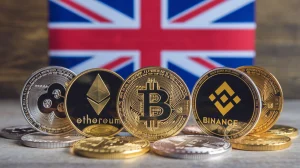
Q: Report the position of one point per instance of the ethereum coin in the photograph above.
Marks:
(111, 147)
(91, 102)
(191, 146)
(226, 103)
(271, 96)
(16, 132)
(284, 130)
(39, 140)
(42, 100)
(154, 103)
(262, 142)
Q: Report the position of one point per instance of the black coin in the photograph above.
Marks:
(91, 102)
(226, 103)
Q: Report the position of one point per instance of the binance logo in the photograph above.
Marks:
(98, 95)
(225, 106)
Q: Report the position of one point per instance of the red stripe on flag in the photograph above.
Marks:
(116, 63)
(86, 11)
(197, 11)
(203, 62)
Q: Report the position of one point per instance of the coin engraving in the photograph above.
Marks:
(154, 103)
(271, 96)
(42, 97)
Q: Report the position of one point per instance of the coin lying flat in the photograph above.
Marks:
(91, 102)
(154, 103)
(111, 147)
(191, 146)
(271, 96)
(39, 140)
(284, 130)
(42, 100)
(226, 103)
(192, 130)
(262, 142)
(16, 132)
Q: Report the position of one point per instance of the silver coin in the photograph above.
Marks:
(192, 130)
(39, 140)
(16, 132)
(191, 146)
(42, 100)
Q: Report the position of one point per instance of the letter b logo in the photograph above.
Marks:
(155, 104)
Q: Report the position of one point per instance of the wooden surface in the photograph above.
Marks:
(23, 42)
(15, 155)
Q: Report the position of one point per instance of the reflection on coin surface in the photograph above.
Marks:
(154, 103)
(16, 132)
(262, 142)
(224, 99)
(284, 130)
(91, 102)
(111, 147)
(271, 96)
(192, 130)
(42, 100)
(39, 140)
(191, 146)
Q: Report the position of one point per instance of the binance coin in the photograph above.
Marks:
(91, 103)
(42, 100)
(262, 142)
(154, 103)
(271, 96)
(111, 147)
(226, 103)
(284, 130)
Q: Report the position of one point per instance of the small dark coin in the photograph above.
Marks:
(16, 132)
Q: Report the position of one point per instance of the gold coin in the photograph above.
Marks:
(154, 103)
(111, 147)
(262, 142)
(90, 102)
(284, 130)
(271, 96)
(226, 103)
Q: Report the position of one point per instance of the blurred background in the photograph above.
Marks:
(24, 42)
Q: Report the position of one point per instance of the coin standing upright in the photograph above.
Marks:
(226, 103)
(154, 103)
(90, 102)
(42, 100)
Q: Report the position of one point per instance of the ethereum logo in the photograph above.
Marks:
(98, 95)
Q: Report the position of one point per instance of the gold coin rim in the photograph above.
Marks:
(21, 95)
(292, 135)
(67, 92)
(254, 90)
(280, 90)
(258, 147)
(119, 155)
(178, 77)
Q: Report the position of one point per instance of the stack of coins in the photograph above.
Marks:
(233, 108)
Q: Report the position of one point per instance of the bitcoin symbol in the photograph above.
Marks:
(156, 104)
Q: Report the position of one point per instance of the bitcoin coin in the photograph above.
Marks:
(262, 142)
(39, 140)
(284, 130)
(16, 132)
(42, 100)
(91, 102)
(154, 103)
(192, 130)
(191, 146)
(226, 103)
(111, 147)
(271, 96)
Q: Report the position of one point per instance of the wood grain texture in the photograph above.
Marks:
(24, 42)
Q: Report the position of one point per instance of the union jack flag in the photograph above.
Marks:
(188, 37)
